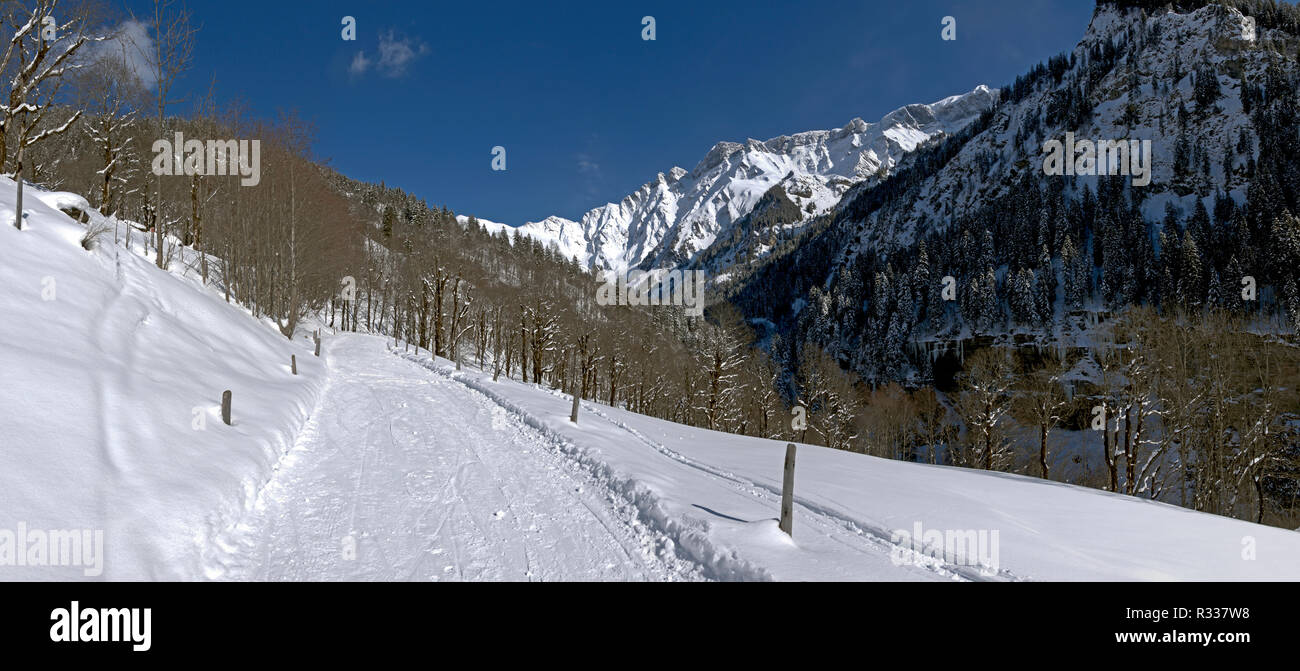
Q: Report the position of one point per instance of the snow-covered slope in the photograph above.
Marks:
(1207, 95)
(111, 377)
(679, 213)
(716, 497)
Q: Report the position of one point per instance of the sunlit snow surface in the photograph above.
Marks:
(378, 463)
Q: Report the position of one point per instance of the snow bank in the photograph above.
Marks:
(112, 378)
(62, 200)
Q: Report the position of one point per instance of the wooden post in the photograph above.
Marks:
(225, 407)
(787, 493)
(317, 343)
(573, 367)
(293, 363)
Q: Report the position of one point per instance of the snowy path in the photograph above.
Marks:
(408, 472)
(433, 474)
(427, 486)
(722, 520)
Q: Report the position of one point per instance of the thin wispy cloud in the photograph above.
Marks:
(587, 166)
(590, 176)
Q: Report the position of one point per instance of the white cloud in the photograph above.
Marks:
(130, 44)
(395, 54)
(360, 64)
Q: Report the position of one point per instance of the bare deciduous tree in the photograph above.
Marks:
(36, 59)
(173, 49)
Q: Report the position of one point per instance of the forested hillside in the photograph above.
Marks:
(1067, 284)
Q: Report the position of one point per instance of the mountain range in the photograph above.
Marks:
(672, 219)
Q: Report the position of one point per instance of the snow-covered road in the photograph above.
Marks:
(397, 477)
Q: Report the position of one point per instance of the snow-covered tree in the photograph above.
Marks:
(1074, 272)
(1042, 399)
(828, 394)
(983, 403)
(1023, 308)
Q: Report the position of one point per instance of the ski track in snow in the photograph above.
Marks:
(394, 463)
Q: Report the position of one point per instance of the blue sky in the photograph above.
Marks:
(586, 109)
